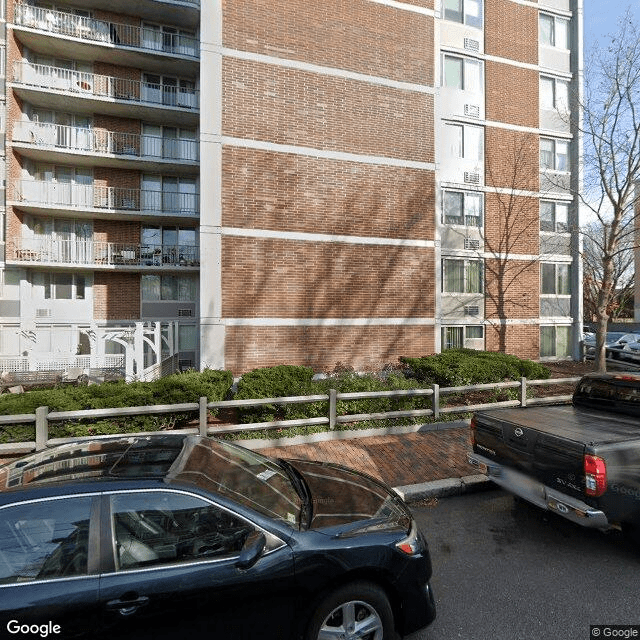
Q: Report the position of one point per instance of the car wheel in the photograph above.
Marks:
(357, 611)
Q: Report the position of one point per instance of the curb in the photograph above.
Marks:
(443, 488)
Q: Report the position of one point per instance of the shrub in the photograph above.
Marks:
(272, 382)
(459, 367)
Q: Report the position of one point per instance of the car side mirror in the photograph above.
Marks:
(253, 547)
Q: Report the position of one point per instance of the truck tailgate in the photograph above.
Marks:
(548, 443)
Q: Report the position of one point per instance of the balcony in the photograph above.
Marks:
(90, 39)
(56, 143)
(41, 196)
(101, 255)
(82, 92)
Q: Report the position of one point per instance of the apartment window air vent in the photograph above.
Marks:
(472, 310)
(472, 177)
(183, 313)
(470, 44)
(185, 365)
(43, 313)
(472, 110)
(471, 243)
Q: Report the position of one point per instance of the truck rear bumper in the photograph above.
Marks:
(539, 494)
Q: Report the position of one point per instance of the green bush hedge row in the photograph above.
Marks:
(450, 368)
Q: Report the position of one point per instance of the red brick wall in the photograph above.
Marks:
(512, 289)
(119, 178)
(278, 278)
(116, 296)
(322, 348)
(288, 106)
(512, 159)
(512, 94)
(520, 340)
(359, 36)
(511, 31)
(265, 190)
(116, 231)
(512, 224)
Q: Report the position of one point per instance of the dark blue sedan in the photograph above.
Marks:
(167, 535)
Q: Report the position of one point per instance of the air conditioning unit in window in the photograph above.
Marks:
(471, 310)
(472, 110)
(470, 44)
(185, 365)
(472, 177)
(43, 313)
(471, 243)
(182, 313)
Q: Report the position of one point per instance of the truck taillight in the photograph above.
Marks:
(472, 432)
(595, 475)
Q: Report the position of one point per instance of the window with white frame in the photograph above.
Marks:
(554, 216)
(462, 208)
(169, 288)
(60, 286)
(554, 31)
(555, 341)
(465, 141)
(467, 12)
(555, 279)
(554, 154)
(461, 72)
(461, 275)
(456, 337)
(554, 94)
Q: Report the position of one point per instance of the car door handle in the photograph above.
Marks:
(128, 604)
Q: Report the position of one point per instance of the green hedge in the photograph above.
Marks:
(459, 367)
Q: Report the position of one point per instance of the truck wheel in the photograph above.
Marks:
(357, 611)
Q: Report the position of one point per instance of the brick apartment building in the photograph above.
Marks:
(256, 183)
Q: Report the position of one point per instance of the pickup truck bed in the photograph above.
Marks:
(580, 460)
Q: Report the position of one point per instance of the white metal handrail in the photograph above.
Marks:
(89, 196)
(47, 135)
(97, 253)
(183, 95)
(101, 31)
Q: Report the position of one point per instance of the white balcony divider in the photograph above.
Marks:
(47, 250)
(46, 135)
(79, 196)
(92, 84)
(113, 33)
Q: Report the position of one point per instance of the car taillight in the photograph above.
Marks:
(472, 431)
(595, 475)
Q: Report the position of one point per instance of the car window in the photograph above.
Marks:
(153, 528)
(44, 539)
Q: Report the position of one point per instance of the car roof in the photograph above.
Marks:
(90, 460)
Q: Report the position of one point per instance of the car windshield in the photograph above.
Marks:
(245, 476)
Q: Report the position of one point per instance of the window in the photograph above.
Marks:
(554, 94)
(44, 540)
(555, 342)
(554, 216)
(467, 12)
(187, 337)
(556, 279)
(60, 286)
(169, 142)
(463, 208)
(164, 527)
(169, 288)
(465, 141)
(456, 337)
(462, 276)
(554, 31)
(554, 154)
(169, 245)
(169, 194)
(462, 73)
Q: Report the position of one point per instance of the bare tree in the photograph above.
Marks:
(611, 128)
(594, 245)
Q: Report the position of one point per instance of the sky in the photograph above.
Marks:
(601, 18)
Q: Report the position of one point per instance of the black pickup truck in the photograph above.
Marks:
(581, 460)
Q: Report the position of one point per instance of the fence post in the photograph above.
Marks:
(333, 404)
(523, 392)
(202, 417)
(435, 400)
(42, 428)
